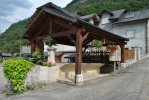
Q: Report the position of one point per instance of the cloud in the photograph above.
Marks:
(12, 11)
(7, 7)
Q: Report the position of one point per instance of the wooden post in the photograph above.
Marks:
(33, 46)
(41, 45)
(122, 53)
(79, 41)
(101, 56)
(78, 53)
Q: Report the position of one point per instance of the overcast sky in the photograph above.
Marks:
(12, 11)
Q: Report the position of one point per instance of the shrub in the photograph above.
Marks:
(15, 71)
(37, 58)
(96, 43)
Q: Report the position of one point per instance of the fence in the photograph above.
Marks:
(95, 57)
(129, 54)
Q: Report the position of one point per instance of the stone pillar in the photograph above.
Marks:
(78, 78)
(51, 56)
(137, 55)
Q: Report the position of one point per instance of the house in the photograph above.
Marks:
(132, 25)
(6, 56)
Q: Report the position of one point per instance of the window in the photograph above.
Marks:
(130, 33)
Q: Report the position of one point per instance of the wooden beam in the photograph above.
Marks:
(63, 33)
(85, 36)
(71, 39)
(41, 29)
(92, 37)
(51, 26)
(62, 23)
(36, 20)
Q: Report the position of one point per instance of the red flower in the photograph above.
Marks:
(50, 63)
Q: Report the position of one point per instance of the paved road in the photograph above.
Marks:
(129, 84)
(2, 79)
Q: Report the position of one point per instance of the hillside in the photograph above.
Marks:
(90, 6)
(10, 39)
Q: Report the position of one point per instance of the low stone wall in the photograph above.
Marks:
(42, 74)
(144, 56)
(87, 69)
(130, 61)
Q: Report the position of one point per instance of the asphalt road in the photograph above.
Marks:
(2, 79)
(129, 84)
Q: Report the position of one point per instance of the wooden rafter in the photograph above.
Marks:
(41, 30)
(90, 38)
(64, 33)
(51, 25)
(62, 23)
(71, 39)
(85, 36)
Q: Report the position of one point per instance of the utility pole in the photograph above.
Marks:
(1, 40)
(20, 45)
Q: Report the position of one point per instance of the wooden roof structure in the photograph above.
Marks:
(66, 29)
(52, 20)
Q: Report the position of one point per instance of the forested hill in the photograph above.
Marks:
(90, 6)
(10, 39)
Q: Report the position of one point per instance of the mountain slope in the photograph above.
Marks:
(10, 39)
(90, 6)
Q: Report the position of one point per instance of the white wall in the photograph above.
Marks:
(148, 34)
(91, 21)
(139, 27)
(104, 18)
(61, 47)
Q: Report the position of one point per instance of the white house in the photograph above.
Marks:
(133, 25)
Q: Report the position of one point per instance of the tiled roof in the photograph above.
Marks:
(117, 13)
(133, 16)
(89, 16)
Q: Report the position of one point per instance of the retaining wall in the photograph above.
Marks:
(42, 74)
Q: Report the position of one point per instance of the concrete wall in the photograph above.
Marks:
(148, 34)
(139, 39)
(104, 20)
(42, 74)
(90, 69)
(61, 47)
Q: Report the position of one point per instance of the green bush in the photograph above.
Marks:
(97, 43)
(15, 71)
(37, 58)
